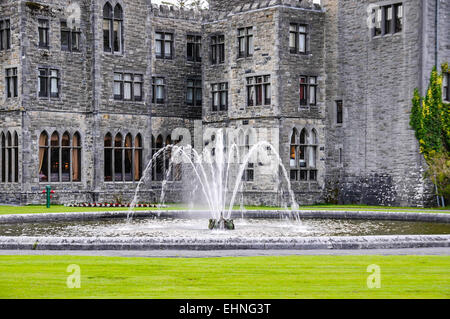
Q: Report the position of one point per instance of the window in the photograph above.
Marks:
(11, 82)
(219, 96)
(194, 93)
(128, 86)
(308, 91)
(246, 141)
(112, 28)
(446, 86)
(164, 45)
(258, 90)
(303, 156)
(70, 38)
(5, 35)
(158, 90)
(217, 49)
(245, 41)
(162, 158)
(388, 19)
(9, 158)
(339, 112)
(123, 158)
(194, 48)
(48, 84)
(298, 38)
(60, 158)
(43, 33)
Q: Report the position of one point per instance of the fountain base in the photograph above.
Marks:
(222, 224)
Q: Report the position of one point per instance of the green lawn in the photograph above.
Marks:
(39, 209)
(249, 277)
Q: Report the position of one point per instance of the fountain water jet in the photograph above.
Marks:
(212, 171)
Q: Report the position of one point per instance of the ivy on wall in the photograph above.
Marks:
(430, 119)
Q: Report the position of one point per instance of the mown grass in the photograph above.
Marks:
(39, 209)
(225, 278)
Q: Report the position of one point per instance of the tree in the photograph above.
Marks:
(430, 119)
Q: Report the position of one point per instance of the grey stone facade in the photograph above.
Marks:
(372, 157)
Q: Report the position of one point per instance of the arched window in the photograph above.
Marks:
(16, 157)
(158, 167)
(59, 160)
(108, 159)
(122, 158)
(138, 157)
(112, 28)
(303, 153)
(118, 157)
(3, 157)
(9, 149)
(43, 157)
(76, 158)
(55, 150)
(9, 156)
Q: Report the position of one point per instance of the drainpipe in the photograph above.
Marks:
(436, 34)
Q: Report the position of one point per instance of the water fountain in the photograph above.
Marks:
(213, 174)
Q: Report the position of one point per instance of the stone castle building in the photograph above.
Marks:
(90, 89)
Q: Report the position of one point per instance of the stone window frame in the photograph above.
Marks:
(307, 33)
(300, 166)
(245, 141)
(132, 83)
(14, 78)
(217, 47)
(197, 48)
(162, 162)
(446, 86)
(74, 31)
(5, 33)
(47, 33)
(49, 83)
(163, 41)
(380, 11)
(216, 88)
(112, 18)
(195, 88)
(265, 101)
(46, 147)
(124, 149)
(9, 153)
(246, 39)
(164, 86)
(305, 103)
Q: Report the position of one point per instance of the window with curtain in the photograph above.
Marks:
(11, 82)
(48, 84)
(217, 49)
(43, 27)
(194, 92)
(303, 155)
(308, 91)
(245, 42)
(122, 158)
(128, 86)
(259, 90)
(59, 157)
(194, 48)
(164, 45)
(219, 92)
(158, 90)
(387, 19)
(298, 36)
(9, 157)
(70, 38)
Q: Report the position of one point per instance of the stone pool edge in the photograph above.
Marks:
(325, 214)
(297, 243)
